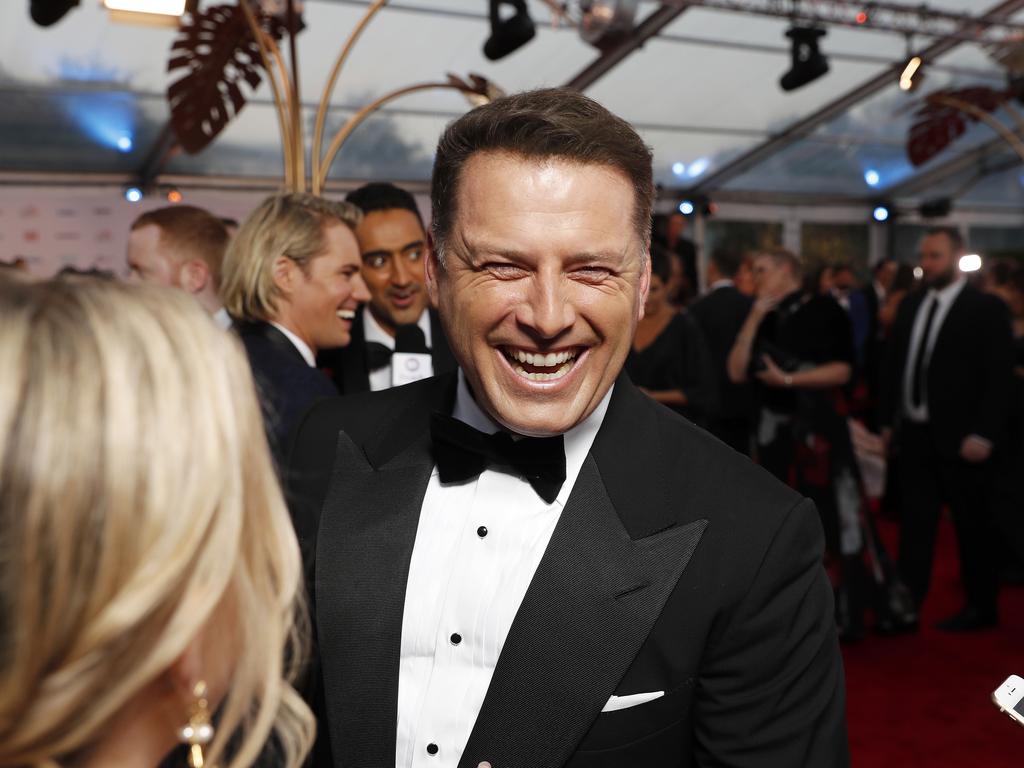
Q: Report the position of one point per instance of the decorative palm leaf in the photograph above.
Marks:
(478, 89)
(938, 125)
(218, 51)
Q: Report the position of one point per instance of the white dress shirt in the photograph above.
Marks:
(945, 299)
(477, 547)
(380, 378)
(725, 282)
(880, 292)
(303, 347)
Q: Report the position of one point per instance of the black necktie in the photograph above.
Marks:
(462, 453)
(917, 382)
(377, 355)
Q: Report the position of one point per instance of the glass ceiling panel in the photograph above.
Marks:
(1002, 188)
(870, 136)
(700, 96)
(392, 146)
(716, 86)
(102, 131)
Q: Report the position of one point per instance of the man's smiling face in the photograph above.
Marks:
(543, 282)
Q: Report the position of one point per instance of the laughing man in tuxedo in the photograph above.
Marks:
(528, 562)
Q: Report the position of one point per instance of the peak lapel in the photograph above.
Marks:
(364, 545)
(591, 604)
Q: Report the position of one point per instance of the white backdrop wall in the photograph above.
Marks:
(87, 227)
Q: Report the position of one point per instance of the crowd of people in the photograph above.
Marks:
(156, 586)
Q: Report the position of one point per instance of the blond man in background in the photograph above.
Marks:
(292, 285)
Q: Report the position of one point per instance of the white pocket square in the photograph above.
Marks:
(634, 699)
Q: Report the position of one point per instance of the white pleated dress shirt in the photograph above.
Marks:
(477, 547)
(945, 299)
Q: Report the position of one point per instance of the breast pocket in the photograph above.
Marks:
(617, 734)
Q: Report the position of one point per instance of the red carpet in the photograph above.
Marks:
(924, 699)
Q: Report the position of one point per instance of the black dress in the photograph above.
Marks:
(802, 438)
(678, 359)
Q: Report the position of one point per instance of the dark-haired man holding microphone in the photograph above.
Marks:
(529, 562)
(396, 337)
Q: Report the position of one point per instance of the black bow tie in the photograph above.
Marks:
(462, 453)
(377, 355)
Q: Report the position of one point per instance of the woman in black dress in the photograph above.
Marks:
(670, 359)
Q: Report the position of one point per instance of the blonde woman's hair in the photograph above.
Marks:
(138, 506)
(287, 224)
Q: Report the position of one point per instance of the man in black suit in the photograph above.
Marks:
(528, 562)
(292, 286)
(720, 314)
(946, 396)
(393, 243)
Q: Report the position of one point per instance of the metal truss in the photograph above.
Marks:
(997, 14)
(905, 19)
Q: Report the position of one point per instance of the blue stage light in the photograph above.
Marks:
(133, 194)
(881, 213)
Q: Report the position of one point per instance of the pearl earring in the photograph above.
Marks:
(198, 731)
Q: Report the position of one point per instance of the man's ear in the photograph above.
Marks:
(645, 285)
(195, 275)
(283, 272)
(431, 271)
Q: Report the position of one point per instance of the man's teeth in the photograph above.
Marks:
(549, 360)
(560, 363)
(544, 376)
(347, 314)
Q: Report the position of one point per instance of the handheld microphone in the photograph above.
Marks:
(411, 360)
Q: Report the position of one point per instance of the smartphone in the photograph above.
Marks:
(1009, 697)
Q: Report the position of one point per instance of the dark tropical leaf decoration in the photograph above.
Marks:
(218, 52)
(478, 89)
(938, 125)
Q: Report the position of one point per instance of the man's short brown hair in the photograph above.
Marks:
(189, 233)
(956, 240)
(784, 256)
(551, 123)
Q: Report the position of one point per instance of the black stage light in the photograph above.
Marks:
(509, 34)
(809, 63)
(48, 12)
(938, 208)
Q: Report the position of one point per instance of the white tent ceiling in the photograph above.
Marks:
(704, 92)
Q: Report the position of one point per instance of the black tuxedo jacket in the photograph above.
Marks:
(720, 314)
(969, 377)
(286, 384)
(676, 566)
(348, 365)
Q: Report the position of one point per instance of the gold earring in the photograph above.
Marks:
(198, 731)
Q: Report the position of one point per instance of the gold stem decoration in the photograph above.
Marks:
(1016, 116)
(297, 134)
(356, 119)
(293, 174)
(321, 114)
(980, 114)
(287, 141)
